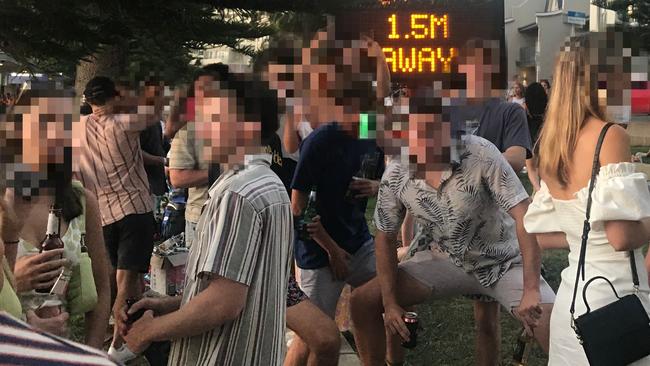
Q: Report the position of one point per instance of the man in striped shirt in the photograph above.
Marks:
(20, 344)
(233, 307)
(112, 167)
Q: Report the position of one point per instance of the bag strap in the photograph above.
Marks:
(595, 167)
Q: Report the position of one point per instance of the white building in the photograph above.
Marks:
(536, 29)
(236, 61)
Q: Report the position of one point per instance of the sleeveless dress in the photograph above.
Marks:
(620, 193)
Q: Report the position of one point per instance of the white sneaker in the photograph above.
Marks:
(122, 354)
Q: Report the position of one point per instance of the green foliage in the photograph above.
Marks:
(640, 13)
(154, 35)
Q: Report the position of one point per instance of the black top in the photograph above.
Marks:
(151, 141)
(329, 157)
(284, 168)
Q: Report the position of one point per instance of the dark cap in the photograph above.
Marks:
(99, 90)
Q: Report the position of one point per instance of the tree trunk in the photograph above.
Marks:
(110, 62)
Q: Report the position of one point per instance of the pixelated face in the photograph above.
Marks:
(41, 135)
(615, 64)
(45, 128)
(221, 127)
(289, 82)
(429, 142)
(479, 66)
(545, 86)
(345, 78)
(423, 138)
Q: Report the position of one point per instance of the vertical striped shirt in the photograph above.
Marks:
(244, 234)
(111, 166)
(20, 344)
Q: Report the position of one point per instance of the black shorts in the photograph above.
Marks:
(129, 242)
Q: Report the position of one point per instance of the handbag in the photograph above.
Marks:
(82, 292)
(617, 333)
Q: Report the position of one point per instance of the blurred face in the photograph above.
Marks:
(545, 86)
(422, 138)
(38, 136)
(429, 141)
(46, 127)
(518, 90)
(288, 81)
(479, 65)
(220, 126)
(343, 89)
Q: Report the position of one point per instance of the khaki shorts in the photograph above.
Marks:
(445, 279)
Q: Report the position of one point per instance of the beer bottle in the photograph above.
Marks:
(308, 215)
(367, 170)
(52, 239)
(522, 349)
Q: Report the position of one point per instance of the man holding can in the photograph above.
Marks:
(472, 204)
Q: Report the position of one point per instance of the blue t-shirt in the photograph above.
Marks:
(329, 158)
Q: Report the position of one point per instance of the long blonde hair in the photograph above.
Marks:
(573, 99)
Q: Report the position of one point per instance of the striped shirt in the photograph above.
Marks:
(244, 234)
(20, 344)
(111, 166)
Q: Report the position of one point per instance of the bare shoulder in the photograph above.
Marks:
(616, 146)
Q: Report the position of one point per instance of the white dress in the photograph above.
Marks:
(620, 194)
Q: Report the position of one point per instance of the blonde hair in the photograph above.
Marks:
(573, 99)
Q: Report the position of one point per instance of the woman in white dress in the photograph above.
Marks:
(574, 120)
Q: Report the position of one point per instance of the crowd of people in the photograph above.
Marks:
(256, 151)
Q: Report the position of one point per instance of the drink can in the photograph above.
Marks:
(411, 320)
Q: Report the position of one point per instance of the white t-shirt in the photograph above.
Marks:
(519, 101)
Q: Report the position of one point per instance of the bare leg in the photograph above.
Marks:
(542, 332)
(394, 351)
(129, 284)
(488, 333)
(366, 308)
(317, 341)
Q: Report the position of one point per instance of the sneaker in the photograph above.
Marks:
(122, 354)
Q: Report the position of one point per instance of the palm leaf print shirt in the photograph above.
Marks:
(467, 215)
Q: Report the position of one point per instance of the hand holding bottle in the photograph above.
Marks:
(38, 271)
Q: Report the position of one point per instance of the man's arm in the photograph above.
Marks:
(221, 302)
(187, 178)
(150, 159)
(516, 157)
(530, 250)
(556, 240)
(289, 135)
(387, 266)
(177, 118)
(529, 309)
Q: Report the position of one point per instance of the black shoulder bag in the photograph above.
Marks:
(618, 333)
